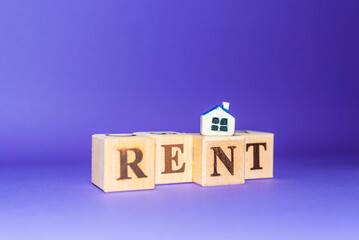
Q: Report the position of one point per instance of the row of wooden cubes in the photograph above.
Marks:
(124, 162)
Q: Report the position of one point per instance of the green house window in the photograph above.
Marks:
(219, 124)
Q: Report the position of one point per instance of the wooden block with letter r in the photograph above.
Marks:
(259, 154)
(123, 162)
(173, 154)
(218, 160)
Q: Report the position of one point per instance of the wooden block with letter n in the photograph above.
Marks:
(173, 154)
(259, 154)
(218, 160)
(123, 162)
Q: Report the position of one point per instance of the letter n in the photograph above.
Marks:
(228, 163)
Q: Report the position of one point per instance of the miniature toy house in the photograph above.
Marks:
(218, 121)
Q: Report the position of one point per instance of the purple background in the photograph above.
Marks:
(69, 69)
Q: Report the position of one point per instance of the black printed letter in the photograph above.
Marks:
(124, 163)
(218, 152)
(256, 153)
(169, 158)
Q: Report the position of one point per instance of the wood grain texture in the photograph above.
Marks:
(123, 162)
(258, 155)
(174, 154)
(218, 160)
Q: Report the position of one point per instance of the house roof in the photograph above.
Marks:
(215, 109)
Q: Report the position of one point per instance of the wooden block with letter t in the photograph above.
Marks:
(123, 162)
(173, 156)
(259, 154)
(218, 160)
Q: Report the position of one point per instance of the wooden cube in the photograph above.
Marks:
(123, 162)
(259, 154)
(173, 153)
(218, 160)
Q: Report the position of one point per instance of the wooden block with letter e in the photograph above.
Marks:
(218, 160)
(173, 154)
(123, 162)
(259, 154)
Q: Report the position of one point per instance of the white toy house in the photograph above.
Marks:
(218, 121)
